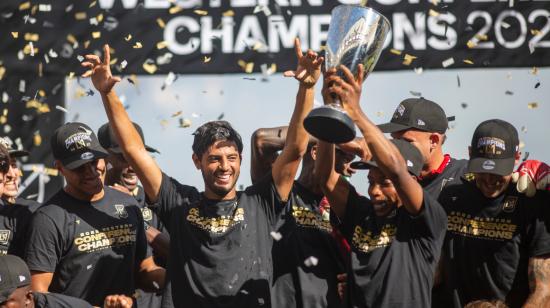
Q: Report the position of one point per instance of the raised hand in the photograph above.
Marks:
(100, 71)
(309, 66)
(348, 90)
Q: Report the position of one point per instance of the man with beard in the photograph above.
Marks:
(123, 178)
(497, 245)
(13, 177)
(88, 240)
(220, 252)
(396, 236)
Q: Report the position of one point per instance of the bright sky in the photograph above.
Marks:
(249, 104)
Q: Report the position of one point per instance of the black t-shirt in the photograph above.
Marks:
(54, 300)
(449, 176)
(489, 243)
(306, 259)
(220, 252)
(14, 221)
(393, 258)
(93, 248)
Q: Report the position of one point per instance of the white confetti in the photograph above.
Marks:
(123, 64)
(505, 25)
(7, 128)
(52, 53)
(69, 8)
(194, 115)
(276, 235)
(5, 97)
(44, 7)
(22, 86)
(311, 261)
(165, 58)
(156, 285)
(47, 59)
(80, 58)
(61, 108)
(32, 49)
(531, 47)
(170, 78)
(419, 70)
(89, 267)
(93, 21)
(511, 3)
(20, 55)
(448, 62)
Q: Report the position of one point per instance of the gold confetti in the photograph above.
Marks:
(86, 44)
(471, 44)
(113, 61)
(80, 15)
(534, 70)
(228, 13)
(184, 123)
(40, 69)
(433, 13)
(395, 52)
(133, 79)
(175, 9)
(467, 61)
(29, 49)
(32, 37)
(201, 12)
(99, 17)
(37, 139)
(2, 72)
(247, 67)
(71, 75)
(71, 39)
(408, 59)
(42, 93)
(257, 46)
(137, 45)
(96, 34)
(93, 4)
(3, 120)
(206, 59)
(128, 38)
(435, 2)
(164, 123)
(533, 105)
(150, 68)
(15, 34)
(25, 6)
(535, 32)
(162, 44)
(161, 23)
(178, 113)
(482, 37)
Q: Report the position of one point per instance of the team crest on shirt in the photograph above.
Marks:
(121, 211)
(509, 204)
(147, 213)
(5, 237)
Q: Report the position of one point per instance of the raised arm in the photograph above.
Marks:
(130, 142)
(539, 282)
(386, 155)
(265, 145)
(286, 165)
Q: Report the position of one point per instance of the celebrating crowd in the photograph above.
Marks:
(434, 231)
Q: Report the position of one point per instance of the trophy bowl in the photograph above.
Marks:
(356, 36)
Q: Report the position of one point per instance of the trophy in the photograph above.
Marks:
(356, 35)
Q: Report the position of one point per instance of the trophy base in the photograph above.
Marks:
(330, 125)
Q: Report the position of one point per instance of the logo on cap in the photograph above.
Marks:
(409, 163)
(78, 141)
(488, 165)
(22, 278)
(399, 111)
(491, 145)
(87, 155)
(420, 122)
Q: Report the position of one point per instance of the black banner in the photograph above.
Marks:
(228, 36)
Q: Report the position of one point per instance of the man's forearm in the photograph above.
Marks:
(297, 136)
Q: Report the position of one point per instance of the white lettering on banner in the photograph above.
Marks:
(250, 33)
(402, 26)
(170, 35)
(279, 32)
(208, 34)
(438, 27)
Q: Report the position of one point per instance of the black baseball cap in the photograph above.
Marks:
(108, 140)
(8, 144)
(14, 273)
(418, 113)
(494, 147)
(75, 144)
(412, 156)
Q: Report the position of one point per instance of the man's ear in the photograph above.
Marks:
(517, 157)
(29, 298)
(435, 139)
(196, 161)
(58, 165)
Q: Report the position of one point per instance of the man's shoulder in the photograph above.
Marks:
(184, 191)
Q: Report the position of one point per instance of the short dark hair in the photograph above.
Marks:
(210, 132)
(4, 159)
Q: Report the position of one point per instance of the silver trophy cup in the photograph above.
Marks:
(356, 35)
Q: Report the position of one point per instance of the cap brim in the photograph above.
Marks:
(502, 167)
(18, 153)
(76, 161)
(393, 127)
(363, 165)
(149, 149)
